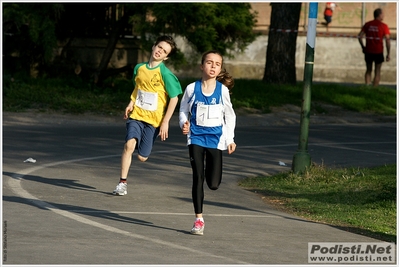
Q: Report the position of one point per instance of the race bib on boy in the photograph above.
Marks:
(209, 115)
(147, 100)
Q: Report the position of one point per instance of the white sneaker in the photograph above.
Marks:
(198, 228)
(121, 189)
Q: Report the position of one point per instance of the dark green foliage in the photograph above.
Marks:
(32, 30)
(32, 27)
(207, 26)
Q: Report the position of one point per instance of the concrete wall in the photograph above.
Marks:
(89, 51)
(336, 59)
(349, 17)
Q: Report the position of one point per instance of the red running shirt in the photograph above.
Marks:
(328, 11)
(375, 31)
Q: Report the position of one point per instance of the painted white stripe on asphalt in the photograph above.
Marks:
(15, 185)
(174, 214)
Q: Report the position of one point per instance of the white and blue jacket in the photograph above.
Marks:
(217, 136)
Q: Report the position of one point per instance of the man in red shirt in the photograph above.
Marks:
(375, 31)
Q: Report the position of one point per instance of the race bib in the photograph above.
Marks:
(147, 100)
(209, 115)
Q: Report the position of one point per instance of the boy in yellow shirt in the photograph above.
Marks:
(151, 106)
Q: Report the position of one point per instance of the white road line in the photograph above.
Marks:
(173, 214)
(15, 185)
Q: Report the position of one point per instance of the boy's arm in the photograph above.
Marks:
(163, 131)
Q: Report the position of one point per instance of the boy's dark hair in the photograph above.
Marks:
(377, 13)
(168, 39)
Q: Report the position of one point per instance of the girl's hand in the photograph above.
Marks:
(163, 131)
(186, 128)
(231, 148)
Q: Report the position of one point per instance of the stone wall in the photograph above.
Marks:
(336, 59)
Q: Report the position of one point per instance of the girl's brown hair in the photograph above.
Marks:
(225, 78)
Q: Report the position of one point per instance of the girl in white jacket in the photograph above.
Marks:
(207, 117)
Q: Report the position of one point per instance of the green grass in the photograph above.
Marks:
(73, 95)
(358, 200)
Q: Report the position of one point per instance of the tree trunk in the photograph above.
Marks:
(117, 30)
(281, 48)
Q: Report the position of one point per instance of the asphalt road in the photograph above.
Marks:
(60, 209)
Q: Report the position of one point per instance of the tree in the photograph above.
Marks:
(117, 30)
(281, 48)
(225, 27)
(29, 30)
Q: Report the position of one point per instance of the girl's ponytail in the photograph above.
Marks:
(225, 78)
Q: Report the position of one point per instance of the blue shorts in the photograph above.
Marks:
(328, 19)
(144, 133)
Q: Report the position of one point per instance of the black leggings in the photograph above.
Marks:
(211, 172)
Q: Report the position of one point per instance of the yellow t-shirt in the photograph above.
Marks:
(153, 89)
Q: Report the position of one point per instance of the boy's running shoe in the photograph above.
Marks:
(198, 228)
(120, 190)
